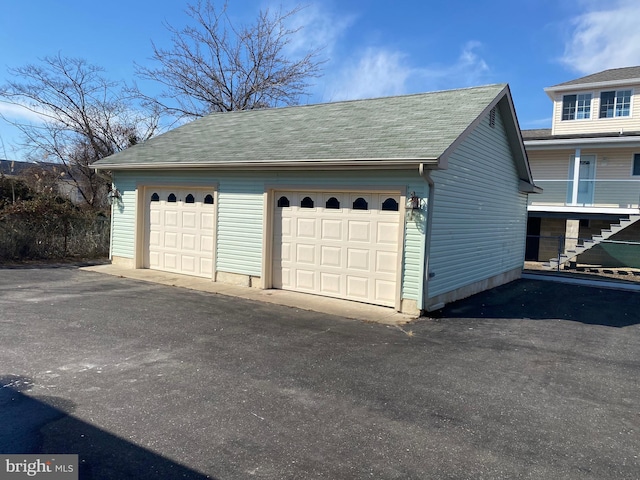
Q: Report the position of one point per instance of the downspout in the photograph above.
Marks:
(426, 175)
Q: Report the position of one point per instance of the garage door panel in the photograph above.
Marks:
(306, 228)
(170, 240)
(170, 261)
(330, 283)
(331, 256)
(385, 290)
(331, 229)
(188, 242)
(188, 264)
(305, 279)
(357, 287)
(386, 262)
(189, 220)
(359, 231)
(170, 218)
(387, 232)
(358, 259)
(347, 252)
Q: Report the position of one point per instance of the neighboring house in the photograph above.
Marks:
(408, 202)
(45, 176)
(595, 139)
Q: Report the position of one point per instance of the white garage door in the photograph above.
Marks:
(343, 245)
(180, 230)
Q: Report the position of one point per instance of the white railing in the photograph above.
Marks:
(606, 193)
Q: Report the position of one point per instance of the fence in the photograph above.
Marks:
(80, 235)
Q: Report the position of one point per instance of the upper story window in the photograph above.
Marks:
(576, 107)
(615, 104)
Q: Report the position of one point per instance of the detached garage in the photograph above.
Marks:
(408, 202)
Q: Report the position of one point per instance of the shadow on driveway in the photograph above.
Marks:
(102, 455)
(544, 300)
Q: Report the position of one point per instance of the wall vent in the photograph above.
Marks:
(492, 118)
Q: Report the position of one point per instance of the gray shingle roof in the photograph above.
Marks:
(614, 74)
(411, 127)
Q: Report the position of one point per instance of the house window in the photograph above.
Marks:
(283, 202)
(636, 164)
(360, 204)
(390, 205)
(307, 202)
(208, 200)
(172, 198)
(615, 104)
(190, 199)
(155, 197)
(576, 107)
(333, 203)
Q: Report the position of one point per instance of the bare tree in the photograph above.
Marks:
(83, 117)
(215, 66)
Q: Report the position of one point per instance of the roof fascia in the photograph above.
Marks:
(602, 142)
(356, 164)
(504, 102)
(590, 85)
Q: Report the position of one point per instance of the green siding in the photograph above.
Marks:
(479, 221)
(241, 207)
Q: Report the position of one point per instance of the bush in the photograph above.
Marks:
(48, 227)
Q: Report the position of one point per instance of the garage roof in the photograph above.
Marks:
(383, 132)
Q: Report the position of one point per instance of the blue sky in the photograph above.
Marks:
(373, 47)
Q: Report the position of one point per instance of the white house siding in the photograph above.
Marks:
(240, 212)
(479, 221)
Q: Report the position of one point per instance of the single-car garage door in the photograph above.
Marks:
(343, 245)
(180, 230)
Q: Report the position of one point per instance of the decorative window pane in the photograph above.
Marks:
(155, 197)
(607, 104)
(208, 199)
(569, 107)
(583, 107)
(390, 205)
(360, 204)
(190, 199)
(283, 202)
(307, 202)
(623, 103)
(636, 163)
(171, 198)
(333, 203)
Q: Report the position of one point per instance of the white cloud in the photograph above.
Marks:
(317, 28)
(17, 113)
(385, 72)
(604, 37)
(377, 73)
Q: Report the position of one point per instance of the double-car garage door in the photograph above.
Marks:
(337, 244)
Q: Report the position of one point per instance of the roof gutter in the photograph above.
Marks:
(367, 163)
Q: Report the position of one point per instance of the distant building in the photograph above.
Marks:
(588, 164)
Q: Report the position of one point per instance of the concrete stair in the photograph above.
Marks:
(605, 234)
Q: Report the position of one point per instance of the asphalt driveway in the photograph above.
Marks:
(531, 380)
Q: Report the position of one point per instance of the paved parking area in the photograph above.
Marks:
(531, 380)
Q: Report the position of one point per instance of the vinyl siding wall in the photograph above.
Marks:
(240, 209)
(479, 220)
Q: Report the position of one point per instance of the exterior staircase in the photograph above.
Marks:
(587, 244)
